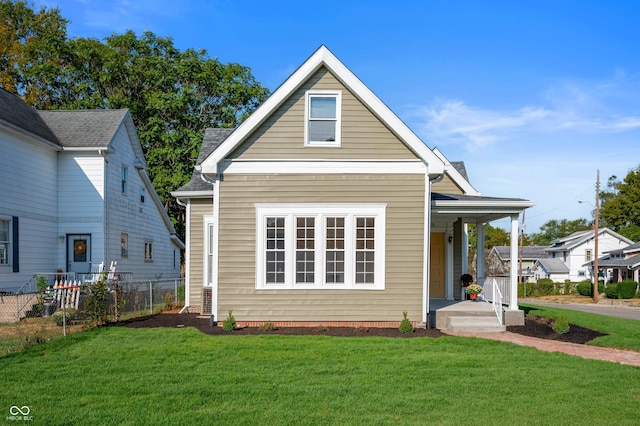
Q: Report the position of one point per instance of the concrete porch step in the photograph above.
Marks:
(474, 324)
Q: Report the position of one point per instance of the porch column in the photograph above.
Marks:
(448, 243)
(480, 254)
(513, 297)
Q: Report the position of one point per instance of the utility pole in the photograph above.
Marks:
(596, 296)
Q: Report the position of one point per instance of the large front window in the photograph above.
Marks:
(320, 246)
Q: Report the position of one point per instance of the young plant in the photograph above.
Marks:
(267, 326)
(561, 325)
(229, 324)
(405, 325)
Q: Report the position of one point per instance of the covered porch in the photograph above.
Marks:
(450, 216)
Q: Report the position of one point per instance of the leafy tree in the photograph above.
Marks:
(172, 95)
(554, 229)
(620, 206)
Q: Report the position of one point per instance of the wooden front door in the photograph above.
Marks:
(437, 266)
(79, 253)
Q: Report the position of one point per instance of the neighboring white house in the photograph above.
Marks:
(578, 249)
(620, 264)
(75, 193)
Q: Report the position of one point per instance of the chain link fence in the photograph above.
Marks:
(55, 304)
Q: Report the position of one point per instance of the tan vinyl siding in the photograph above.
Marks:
(199, 208)
(364, 137)
(404, 196)
(446, 186)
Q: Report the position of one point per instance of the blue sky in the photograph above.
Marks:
(534, 96)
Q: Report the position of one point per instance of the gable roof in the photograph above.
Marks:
(578, 238)
(553, 265)
(323, 57)
(15, 113)
(528, 252)
(84, 128)
(198, 186)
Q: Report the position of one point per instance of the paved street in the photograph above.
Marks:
(609, 310)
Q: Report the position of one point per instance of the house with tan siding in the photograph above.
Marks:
(323, 207)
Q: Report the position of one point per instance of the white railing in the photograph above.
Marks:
(503, 283)
(497, 302)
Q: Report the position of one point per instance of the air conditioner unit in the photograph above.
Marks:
(205, 301)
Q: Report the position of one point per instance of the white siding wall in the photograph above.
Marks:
(81, 200)
(577, 257)
(142, 221)
(28, 191)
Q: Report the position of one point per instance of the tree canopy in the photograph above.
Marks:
(173, 95)
(554, 229)
(620, 205)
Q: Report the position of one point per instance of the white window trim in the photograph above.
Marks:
(307, 116)
(321, 211)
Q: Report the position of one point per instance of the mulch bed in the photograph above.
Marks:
(534, 327)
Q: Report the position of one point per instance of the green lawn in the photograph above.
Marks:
(622, 333)
(180, 376)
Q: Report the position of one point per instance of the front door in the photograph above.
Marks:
(437, 265)
(79, 253)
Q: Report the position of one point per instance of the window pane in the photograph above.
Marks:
(365, 254)
(322, 131)
(275, 244)
(305, 256)
(323, 107)
(4, 230)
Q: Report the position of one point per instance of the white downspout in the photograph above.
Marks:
(214, 246)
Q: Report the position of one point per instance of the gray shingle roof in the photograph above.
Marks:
(212, 139)
(460, 167)
(16, 112)
(554, 265)
(528, 252)
(84, 128)
(436, 196)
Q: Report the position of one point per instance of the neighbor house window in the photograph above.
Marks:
(323, 118)
(123, 179)
(4, 242)
(320, 246)
(148, 251)
(124, 245)
(587, 256)
(142, 195)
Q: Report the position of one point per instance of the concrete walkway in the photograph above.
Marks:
(620, 311)
(584, 351)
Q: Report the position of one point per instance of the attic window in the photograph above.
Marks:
(322, 118)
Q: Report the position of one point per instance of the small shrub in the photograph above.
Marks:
(561, 325)
(59, 316)
(611, 291)
(267, 326)
(584, 288)
(169, 302)
(405, 325)
(229, 324)
(626, 289)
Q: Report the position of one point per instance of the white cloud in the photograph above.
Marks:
(576, 108)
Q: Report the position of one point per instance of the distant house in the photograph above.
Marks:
(75, 194)
(554, 269)
(322, 206)
(620, 264)
(578, 250)
(499, 260)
